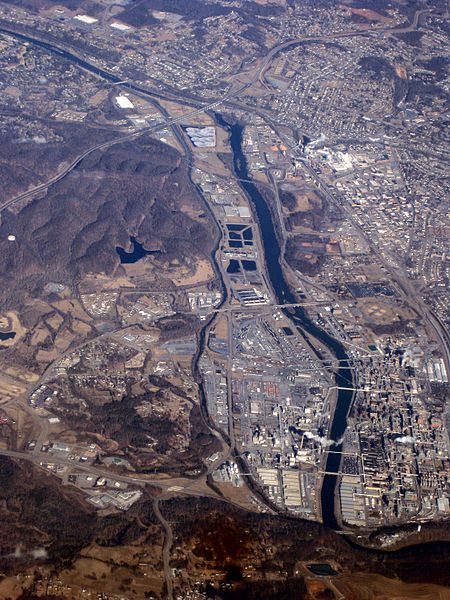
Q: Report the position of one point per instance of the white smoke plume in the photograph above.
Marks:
(323, 441)
(19, 552)
(405, 439)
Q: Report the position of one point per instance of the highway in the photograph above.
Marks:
(179, 485)
(406, 287)
(68, 54)
(103, 146)
(167, 484)
(168, 541)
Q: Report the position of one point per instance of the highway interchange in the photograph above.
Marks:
(172, 486)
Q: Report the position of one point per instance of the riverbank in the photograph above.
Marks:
(344, 376)
(285, 295)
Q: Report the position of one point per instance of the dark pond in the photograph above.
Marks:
(234, 266)
(136, 254)
(323, 569)
(7, 335)
(249, 265)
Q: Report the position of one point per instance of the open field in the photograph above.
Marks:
(369, 586)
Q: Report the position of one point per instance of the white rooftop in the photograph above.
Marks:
(120, 26)
(86, 19)
(124, 102)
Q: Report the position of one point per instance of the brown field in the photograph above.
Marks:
(137, 362)
(98, 98)
(368, 586)
(383, 313)
(10, 389)
(79, 327)
(128, 555)
(131, 570)
(12, 91)
(10, 587)
(302, 203)
(371, 15)
(142, 268)
(203, 273)
(97, 282)
(47, 356)
(315, 587)
(212, 164)
(305, 201)
(238, 495)
(401, 71)
(39, 336)
(64, 340)
(55, 321)
(175, 110)
(26, 376)
(260, 176)
(201, 119)
(221, 327)
(74, 308)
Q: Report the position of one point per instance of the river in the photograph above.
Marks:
(344, 376)
(284, 295)
(73, 58)
(283, 292)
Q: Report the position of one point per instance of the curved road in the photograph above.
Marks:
(103, 74)
(258, 74)
(168, 541)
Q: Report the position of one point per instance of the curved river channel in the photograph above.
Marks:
(283, 292)
(284, 295)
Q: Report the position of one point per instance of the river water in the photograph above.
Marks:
(73, 58)
(344, 376)
(62, 53)
(284, 294)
